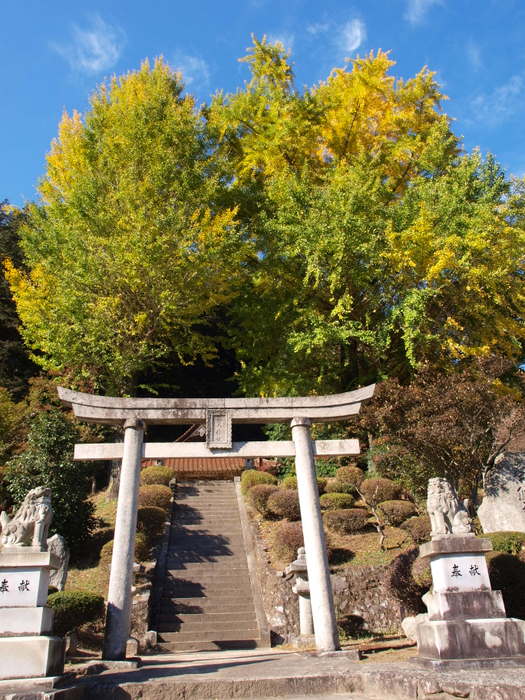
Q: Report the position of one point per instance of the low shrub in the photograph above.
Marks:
(336, 486)
(350, 476)
(507, 574)
(156, 475)
(346, 521)
(321, 484)
(289, 482)
(419, 527)
(286, 540)
(155, 495)
(400, 581)
(378, 490)
(284, 503)
(150, 521)
(142, 549)
(74, 608)
(421, 573)
(335, 501)
(396, 512)
(251, 477)
(259, 495)
(506, 542)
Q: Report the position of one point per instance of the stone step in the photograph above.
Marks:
(206, 576)
(203, 630)
(225, 595)
(167, 612)
(174, 647)
(205, 618)
(182, 605)
(222, 635)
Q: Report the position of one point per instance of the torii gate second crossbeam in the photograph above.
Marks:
(219, 415)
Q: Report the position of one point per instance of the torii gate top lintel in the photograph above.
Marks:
(115, 410)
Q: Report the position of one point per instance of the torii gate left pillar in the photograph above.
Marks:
(121, 574)
(218, 414)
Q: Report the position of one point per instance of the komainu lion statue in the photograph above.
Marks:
(448, 515)
(30, 524)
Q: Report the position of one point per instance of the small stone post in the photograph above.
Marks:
(121, 576)
(301, 588)
(322, 599)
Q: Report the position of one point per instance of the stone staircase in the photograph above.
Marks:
(206, 601)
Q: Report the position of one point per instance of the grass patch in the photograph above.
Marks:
(88, 573)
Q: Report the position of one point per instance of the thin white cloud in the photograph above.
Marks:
(94, 48)
(352, 35)
(502, 103)
(195, 71)
(474, 55)
(318, 28)
(286, 40)
(417, 9)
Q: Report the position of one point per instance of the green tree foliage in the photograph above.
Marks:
(133, 249)
(47, 461)
(452, 425)
(15, 365)
(337, 233)
(381, 248)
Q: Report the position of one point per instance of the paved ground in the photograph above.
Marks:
(259, 675)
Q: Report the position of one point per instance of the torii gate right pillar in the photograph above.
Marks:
(321, 595)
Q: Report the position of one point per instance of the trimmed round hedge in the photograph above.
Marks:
(286, 540)
(156, 475)
(155, 495)
(252, 477)
(335, 501)
(378, 490)
(289, 482)
(346, 521)
(507, 574)
(419, 527)
(142, 549)
(284, 503)
(74, 608)
(259, 495)
(396, 512)
(421, 573)
(335, 486)
(150, 521)
(350, 476)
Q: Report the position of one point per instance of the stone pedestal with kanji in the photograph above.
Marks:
(467, 624)
(27, 647)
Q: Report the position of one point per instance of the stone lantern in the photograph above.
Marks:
(301, 588)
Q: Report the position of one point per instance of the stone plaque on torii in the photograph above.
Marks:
(219, 415)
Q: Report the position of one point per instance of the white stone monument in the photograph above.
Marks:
(503, 506)
(466, 622)
(27, 647)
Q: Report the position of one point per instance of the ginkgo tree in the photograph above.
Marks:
(382, 247)
(132, 248)
(338, 231)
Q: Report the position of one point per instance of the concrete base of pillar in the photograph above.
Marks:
(28, 657)
(479, 640)
(303, 641)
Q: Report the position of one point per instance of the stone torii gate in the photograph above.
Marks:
(218, 415)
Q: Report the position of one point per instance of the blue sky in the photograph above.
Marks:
(54, 53)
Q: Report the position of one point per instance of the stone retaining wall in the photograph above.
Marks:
(362, 592)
